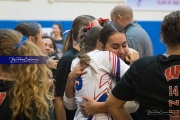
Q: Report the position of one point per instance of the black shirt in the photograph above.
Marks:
(5, 111)
(54, 70)
(59, 44)
(62, 73)
(155, 83)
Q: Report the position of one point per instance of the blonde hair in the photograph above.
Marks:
(29, 93)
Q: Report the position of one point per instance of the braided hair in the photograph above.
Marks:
(88, 38)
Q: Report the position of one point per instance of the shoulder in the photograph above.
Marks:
(75, 61)
(105, 55)
(70, 54)
(147, 60)
(97, 54)
(68, 57)
(133, 27)
(144, 62)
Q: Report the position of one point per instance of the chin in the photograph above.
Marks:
(122, 57)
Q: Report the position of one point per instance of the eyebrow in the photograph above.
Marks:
(118, 44)
(115, 44)
(124, 42)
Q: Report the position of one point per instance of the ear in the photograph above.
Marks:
(31, 38)
(119, 17)
(101, 46)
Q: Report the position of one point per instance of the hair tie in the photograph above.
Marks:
(103, 20)
(66, 31)
(24, 38)
(89, 26)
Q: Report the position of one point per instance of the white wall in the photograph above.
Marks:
(45, 10)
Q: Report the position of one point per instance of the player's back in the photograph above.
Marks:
(97, 84)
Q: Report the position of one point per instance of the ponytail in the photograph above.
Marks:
(68, 43)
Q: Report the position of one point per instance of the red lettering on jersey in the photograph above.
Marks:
(172, 72)
(173, 91)
(174, 115)
(174, 118)
(2, 97)
(173, 103)
(174, 112)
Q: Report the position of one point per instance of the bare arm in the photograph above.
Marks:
(92, 107)
(69, 90)
(76, 72)
(59, 109)
(115, 108)
(68, 99)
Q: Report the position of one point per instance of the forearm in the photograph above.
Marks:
(59, 109)
(119, 114)
(69, 90)
(115, 108)
(69, 103)
(100, 107)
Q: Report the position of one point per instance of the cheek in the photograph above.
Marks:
(52, 50)
(41, 43)
(112, 50)
(126, 50)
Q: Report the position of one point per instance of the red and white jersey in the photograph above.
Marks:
(97, 85)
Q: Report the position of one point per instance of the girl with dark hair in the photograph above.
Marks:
(51, 51)
(113, 39)
(50, 45)
(57, 35)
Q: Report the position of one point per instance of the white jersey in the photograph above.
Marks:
(109, 68)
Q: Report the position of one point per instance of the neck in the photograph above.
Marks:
(57, 37)
(77, 47)
(175, 50)
(126, 22)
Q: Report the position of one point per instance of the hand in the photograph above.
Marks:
(52, 64)
(89, 107)
(77, 71)
(132, 56)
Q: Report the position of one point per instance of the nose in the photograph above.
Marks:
(47, 48)
(121, 51)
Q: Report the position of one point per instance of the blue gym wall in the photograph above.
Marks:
(152, 28)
